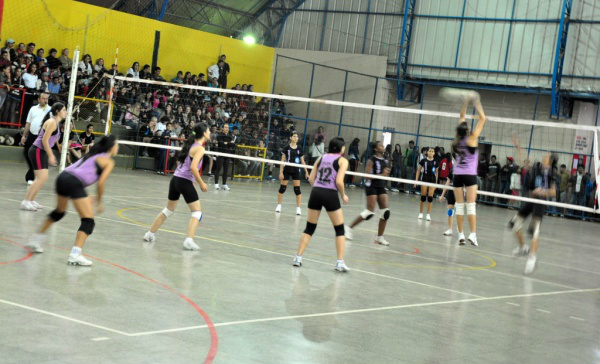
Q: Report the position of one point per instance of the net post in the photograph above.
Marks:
(110, 97)
(70, 102)
(597, 171)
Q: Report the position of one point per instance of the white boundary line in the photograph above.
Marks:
(361, 106)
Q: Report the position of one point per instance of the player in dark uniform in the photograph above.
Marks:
(542, 187)
(451, 201)
(94, 167)
(375, 190)
(427, 172)
(292, 154)
(327, 179)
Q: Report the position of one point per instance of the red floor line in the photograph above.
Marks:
(29, 253)
(214, 338)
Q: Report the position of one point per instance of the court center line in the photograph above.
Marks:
(375, 309)
(64, 317)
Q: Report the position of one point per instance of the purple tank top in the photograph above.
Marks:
(86, 170)
(183, 169)
(466, 163)
(51, 141)
(326, 173)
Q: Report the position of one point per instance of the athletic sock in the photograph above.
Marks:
(75, 251)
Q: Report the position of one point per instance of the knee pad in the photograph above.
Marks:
(471, 208)
(516, 223)
(460, 209)
(385, 214)
(197, 215)
(167, 212)
(450, 212)
(282, 189)
(56, 215)
(339, 230)
(423, 198)
(87, 225)
(367, 214)
(310, 228)
(297, 190)
(534, 229)
(430, 199)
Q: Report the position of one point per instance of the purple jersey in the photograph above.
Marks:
(86, 170)
(183, 169)
(327, 172)
(468, 161)
(51, 141)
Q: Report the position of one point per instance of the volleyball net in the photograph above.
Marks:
(264, 121)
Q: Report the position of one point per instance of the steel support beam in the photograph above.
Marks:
(404, 51)
(559, 57)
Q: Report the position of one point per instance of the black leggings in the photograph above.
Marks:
(222, 162)
(29, 176)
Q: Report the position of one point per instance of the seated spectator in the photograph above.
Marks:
(12, 53)
(65, 62)
(5, 59)
(147, 133)
(134, 71)
(202, 80)
(53, 62)
(39, 55)
(31, 49)
(42, 83)
(178, 78)
(87, 138)
(132, 116)
(99, 66)
(156, 75)
(5, 75)
(145, 74)
(22, 49)
(30, 78)
(161, 125)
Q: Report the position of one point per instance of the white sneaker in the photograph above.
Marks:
(27, 206)
(34, 244)
(421, 216)
(381, 241)
(461, 238)
(79, 259)
(530, 265)
(150, 237)
(278, 208)
(448, 232)
(297, 261)
(216, 186)
(520, 251)
(189, 244)
(226, 188)
(348, 233)
(29, 183)
(341, 267)
(37, 205)
(428, 217)
(473, 239)
(298, 211)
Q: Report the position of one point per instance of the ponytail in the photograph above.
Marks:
(102, 146)
(461, 132)
(197, 133)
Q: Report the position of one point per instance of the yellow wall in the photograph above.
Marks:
(62, 24)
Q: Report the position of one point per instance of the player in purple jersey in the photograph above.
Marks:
(94, 167)
(327, 179)
(465, 149)
(188, 170)
(376, 194)
(40, 154)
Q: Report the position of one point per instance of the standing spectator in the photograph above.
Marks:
(225, 144)
(316, 150)
(515, 187)
(410, 160)
(579, 182)
(481, 172)
(224, 72)
(397, 164)
(525, 178)
(353, 161)
(492, 177)
(33, 124)
(505, 173)
(65, 61)
(321, 132)
(213, 71)
(53, 62)
(12, 53)
(4, 83)
(565, 184)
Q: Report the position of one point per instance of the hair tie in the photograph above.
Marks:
(193, 133)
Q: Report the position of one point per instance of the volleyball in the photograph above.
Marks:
(2, 139)
(9, 140)
(457, 95)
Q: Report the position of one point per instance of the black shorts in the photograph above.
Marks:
(450, 197)
(324, 197)
(428, 178)
(181, 186)
(70, 186)
(370, 191)
(465, 180)
(294, 174)
(38, 158)
(534, 209)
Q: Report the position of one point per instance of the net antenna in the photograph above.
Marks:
(109, 120)
(70, 102)
(597, 170)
